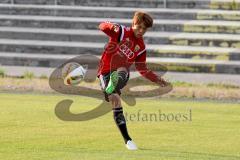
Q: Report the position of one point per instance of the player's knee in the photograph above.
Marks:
(123, 76)
(122, 69)
(115, 99)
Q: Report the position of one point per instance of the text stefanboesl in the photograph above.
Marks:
(159, 116)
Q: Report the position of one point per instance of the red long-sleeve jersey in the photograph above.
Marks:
(122, 50)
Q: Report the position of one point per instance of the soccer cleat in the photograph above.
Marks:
(131, 145)
(112, 84)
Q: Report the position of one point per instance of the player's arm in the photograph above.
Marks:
(141, 66)
(113, 30)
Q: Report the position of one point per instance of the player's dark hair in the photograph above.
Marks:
(140, 16)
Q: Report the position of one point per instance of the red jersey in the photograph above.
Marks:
(122, 50)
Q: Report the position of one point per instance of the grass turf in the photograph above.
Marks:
(29, 129)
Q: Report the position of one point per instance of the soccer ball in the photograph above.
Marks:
(73, 73)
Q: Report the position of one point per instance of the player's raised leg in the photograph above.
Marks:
(112, 84)
(117, 80)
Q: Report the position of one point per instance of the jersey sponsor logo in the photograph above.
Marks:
(126, 51)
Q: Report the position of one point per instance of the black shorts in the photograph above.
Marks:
(104, 79)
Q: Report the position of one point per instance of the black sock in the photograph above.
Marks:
(121, 123)
(122, 79)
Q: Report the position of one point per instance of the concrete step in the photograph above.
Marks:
(193, 39)
(195, 78)
(50, 47)
(5, 1)
(154, 63)
(36, 2)
(189, 65)
(225, 4)
(214, 4)
(68, 48)
(218, 15)
(206, 26)
(19, 71)
(122, 3)
(52, 34)
(194, 52)
(185, 39)
(117, 12)
(206, 39)
(33, 59)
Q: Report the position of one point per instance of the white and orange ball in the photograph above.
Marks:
(73, 73)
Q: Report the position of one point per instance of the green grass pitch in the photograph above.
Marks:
(29, 129)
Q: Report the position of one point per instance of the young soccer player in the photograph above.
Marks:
(125, 47)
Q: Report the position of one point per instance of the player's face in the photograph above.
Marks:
(139, 29)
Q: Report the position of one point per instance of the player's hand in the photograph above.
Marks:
(162, 82)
